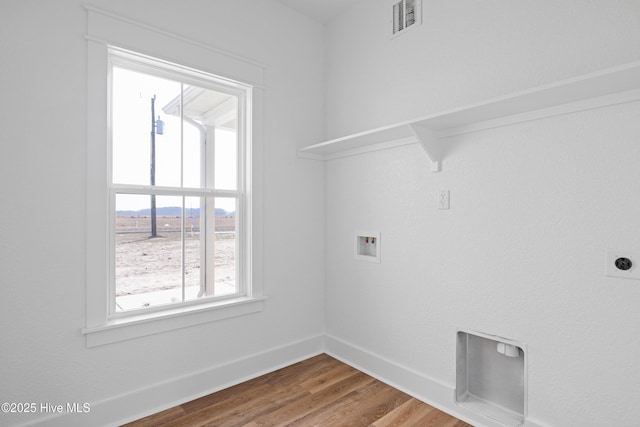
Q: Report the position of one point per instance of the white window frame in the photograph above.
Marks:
(108, 31)
(153, 67)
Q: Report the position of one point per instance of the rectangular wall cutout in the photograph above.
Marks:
(367, 246)
(490, 377)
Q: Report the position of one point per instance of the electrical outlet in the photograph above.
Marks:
(624, 264)
(443, 199)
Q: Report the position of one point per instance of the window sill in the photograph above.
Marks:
(153, 323)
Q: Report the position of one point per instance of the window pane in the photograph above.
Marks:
(220, 247)
(226, 252)
(210, 138)
(138, 104)
(168, 134)
(194, 153)
(226, 159)
(194, 245)
(148, 269)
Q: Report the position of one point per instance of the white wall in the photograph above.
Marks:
(466, 51)
(533, 205)
(43, 81)
(519, 254)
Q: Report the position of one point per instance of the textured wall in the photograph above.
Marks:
(465, 51)
(533, 206)
(42, 244)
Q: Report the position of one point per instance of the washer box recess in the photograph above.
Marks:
(367, 246)
(490, 377)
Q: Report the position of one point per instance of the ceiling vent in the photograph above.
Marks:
(406, 14)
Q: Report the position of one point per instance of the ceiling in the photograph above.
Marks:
(319, 10)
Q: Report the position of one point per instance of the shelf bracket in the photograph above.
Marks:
(428, 140)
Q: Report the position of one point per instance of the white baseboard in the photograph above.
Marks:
(427, 389)
(137, 404)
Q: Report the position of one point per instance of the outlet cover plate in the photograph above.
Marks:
(610, 269)
(443, 199)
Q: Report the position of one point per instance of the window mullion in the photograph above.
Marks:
(174, 191)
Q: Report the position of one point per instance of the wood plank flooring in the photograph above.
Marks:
(320, 391)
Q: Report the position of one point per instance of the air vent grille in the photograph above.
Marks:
(405, 14)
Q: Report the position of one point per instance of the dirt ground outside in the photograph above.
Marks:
(149, 270)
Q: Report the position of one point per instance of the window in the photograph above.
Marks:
(177, 188)
(199, 110)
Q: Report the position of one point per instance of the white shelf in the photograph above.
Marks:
(606, 87)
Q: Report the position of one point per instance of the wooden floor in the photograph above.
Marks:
(320, 391)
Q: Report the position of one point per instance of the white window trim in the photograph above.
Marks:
(154, 67)
(109, 30)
